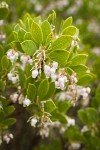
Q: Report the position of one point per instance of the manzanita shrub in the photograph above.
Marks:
(44, 71)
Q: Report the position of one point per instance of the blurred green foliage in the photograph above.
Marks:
(86, 17)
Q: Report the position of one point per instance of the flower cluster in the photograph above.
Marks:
(7, 137)
(60, 83)
(50, 71)
(26, 102)
(45, 125)
(82, 91)
(74, 146)
(70, 121)
(33, 122)
(12, 55)
(75, 92)
(18, 97)
(71, 93)
(25, 59)
(54, 74)
(13, 77)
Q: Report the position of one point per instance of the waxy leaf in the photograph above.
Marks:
(71, 30)
(79, 69)
(22, 77)
(9, 110)
(79, 59)
(51, 90)
(36, 33)
(49, 106)
(9, 122)
(29, 47)
(56, 115)
(59, 56)
(85, 79)
(21, 34)
(88, 116)
(67, 22)
(43, 89)
(1, 52)
(63, 106)
(46, 29)
(2, 115)
(31, 91)
(4, 62)
(62, 42)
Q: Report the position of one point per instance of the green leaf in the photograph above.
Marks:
(9, 110)
(2, 115)
(67, 22)
(9, 122)
(28, 36)
(59, 56)
(2, 85)
(4, 62)
(21, 34)
(62, 42)
(3, 101)
(36, 33)
(16, 28)
(43, 89)
(28, 23)
(37, 19)
(49, 39)
(1, 52)
(56, 115)
(51, 90)
(79, 59)
(85, 79)
(31, 91)
(52, 17)
(93, 142)
(21, 23)
(22, 77)
(17, 45)
(73, 134)
(96, 98)
(28, 69)
(71, 30)
(46, 29)
(49, 106)
(79, 69)
(63, 106)
(88, 116)
(29, 47)
(3, 10)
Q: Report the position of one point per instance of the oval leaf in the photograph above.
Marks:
(85, 79)
(43, 89)
(79, 59)
(88, 116)
(49, 106)
(46, 29)
(31, 91)
(71, 30)
(4, 62)
(62, 42)
(67, 22)
(59, 56)
(36, 33)
(29, 47)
